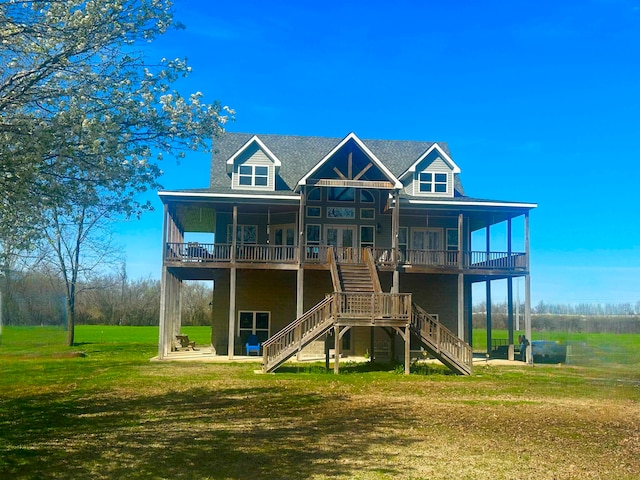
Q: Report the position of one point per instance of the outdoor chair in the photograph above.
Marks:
(252, 345)
(184, 342)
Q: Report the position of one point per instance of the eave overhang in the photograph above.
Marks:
(261, 145)
(412, 169)
(244, 197)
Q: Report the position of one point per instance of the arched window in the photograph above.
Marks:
(315, 195)
(366, 196)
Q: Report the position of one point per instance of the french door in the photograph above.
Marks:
(342, 238)
(426, 246)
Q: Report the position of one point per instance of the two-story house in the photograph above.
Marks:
(357, 246)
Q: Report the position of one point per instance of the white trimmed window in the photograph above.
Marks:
(367, 236)
(247, 234)
(431, 182)
(253, 323)
(253, 176)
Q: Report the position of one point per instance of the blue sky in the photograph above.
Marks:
(538, 101)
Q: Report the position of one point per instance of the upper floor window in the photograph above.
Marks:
(253, 175)
(315, 195)
(430, 182)
(341, 194)
(366, 196)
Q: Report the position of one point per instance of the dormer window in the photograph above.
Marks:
(431, 182)
(253, 176)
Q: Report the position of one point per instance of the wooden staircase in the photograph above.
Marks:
(358, 300)
(294, 337)
(354, 276)
(441, 342)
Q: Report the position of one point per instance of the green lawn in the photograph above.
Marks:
(101, 409)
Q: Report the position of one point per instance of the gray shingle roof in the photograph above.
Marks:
(300, 154)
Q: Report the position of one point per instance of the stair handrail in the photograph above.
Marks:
(367, 256)
(332, 260)
(444, 341)
(297, 332)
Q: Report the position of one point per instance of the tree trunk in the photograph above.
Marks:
(71, 315)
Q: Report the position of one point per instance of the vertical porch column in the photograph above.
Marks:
(407, 350)
(395, 229)
(510, 291)
(469, 309)
(489, 319)
(163, 348)
(336, 349)
(488, 286)
(461, 329)
(372, 345)
(301, 246)
(461, 262)
(527, 288)
(232, 286)
(165, 240)
(510, 316)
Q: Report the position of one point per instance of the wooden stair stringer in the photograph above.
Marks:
(453, 352)
(294, 337)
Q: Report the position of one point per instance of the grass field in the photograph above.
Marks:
(108, 412)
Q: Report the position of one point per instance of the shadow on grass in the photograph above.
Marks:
(346, 368)
(257, 432)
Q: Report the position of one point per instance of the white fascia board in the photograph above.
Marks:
(251, 196)
(471, 203)
(443, 154)
(365, 149)
(263, 147)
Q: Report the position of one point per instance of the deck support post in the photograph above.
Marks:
(489, 320)
(232, 313)
(372, 346)
(163, 348)
(527, 288)
(395, 230)
(327, 348)
(468, 294)
(510, 316)
(407, 350)
(336, 349)
(300, 292)
(461, 329)
(232, 285)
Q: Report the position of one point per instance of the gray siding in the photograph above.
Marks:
(256, 157)
(434, 165)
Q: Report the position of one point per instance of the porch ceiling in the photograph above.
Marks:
(200, 217)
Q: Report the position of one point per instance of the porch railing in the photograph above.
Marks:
(373, 306)
(195, 252)
(495, 260)
(216, 252)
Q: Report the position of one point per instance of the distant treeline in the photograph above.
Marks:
(37, 298)
(598, 309)
(565, 323)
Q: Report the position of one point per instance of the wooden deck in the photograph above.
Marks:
(194, 254)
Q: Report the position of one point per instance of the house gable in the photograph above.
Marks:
(350, 164)
(253, 167)
(432, 174)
